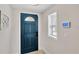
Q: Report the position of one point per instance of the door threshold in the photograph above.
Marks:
(37, 52)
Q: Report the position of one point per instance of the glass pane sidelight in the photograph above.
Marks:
(52, 25)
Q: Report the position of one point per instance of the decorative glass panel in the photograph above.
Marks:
(29, 18)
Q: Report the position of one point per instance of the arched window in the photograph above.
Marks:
(29, 18)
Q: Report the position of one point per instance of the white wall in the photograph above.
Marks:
(5, 32)
(16, 35)
(68, 39)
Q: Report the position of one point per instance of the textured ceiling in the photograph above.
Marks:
(37, 8)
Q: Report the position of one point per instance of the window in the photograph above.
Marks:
(52, 25)
(29, 18)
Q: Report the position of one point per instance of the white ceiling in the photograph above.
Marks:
(39, 8)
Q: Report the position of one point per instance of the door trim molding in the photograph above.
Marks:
(20, 29)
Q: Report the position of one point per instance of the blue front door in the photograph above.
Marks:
(29, 33)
